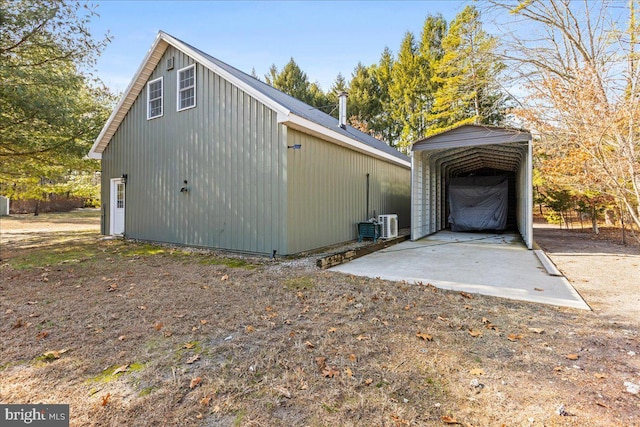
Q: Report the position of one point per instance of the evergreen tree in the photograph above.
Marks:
(364, 103)
(406, 93)
(50, 110)
(293, 81)
(338, 86)
(382, 73)
(467, 75)
(431, 52)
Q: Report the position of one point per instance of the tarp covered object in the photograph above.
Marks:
(478, 203)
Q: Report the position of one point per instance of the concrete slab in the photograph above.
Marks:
(483, 263)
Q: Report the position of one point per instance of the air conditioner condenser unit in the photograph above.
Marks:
(389, 226)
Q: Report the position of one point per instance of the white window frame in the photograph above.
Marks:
(179, 90)
(149, 116)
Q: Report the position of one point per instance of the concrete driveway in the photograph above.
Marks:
(483, 263)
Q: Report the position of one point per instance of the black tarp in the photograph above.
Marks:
(478, 203)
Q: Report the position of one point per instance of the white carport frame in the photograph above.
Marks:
(462, 150)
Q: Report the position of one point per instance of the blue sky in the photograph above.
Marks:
(324, 37)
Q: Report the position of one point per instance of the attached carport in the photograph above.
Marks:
(467, 151)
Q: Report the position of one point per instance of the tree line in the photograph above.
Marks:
(575, 71)
(446, 76)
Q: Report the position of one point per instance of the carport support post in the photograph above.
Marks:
(529, 202)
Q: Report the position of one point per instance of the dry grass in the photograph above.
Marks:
(159, 336)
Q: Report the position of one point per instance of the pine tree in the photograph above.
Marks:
(339, 85)
(384, 123)
(51, 109)
(431, 52)
(406, 92)
(468, 74)
(293, 81)
(364, 104)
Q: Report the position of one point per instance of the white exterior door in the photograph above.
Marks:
(117, 206)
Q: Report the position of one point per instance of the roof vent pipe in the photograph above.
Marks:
(342, 110)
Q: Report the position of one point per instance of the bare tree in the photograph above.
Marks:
(579, 64)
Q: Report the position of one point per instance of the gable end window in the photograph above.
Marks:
(187, 87)
(154, 98)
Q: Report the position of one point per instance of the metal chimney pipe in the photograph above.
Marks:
(342, 110)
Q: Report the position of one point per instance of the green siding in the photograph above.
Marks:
(229, 148)
(247, 191)
(327, 188)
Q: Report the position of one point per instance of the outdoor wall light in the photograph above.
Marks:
(184, 189)
(295, 147)
(124, 178)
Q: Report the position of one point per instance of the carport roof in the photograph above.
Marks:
(472, 147)
(471, 135)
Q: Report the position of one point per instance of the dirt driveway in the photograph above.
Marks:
(135, 334)
(605, 272)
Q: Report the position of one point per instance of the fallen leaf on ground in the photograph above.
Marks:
(514, 337)
(142, 307)
(192, 359)
(42, 335)
(348, 372)
(189, 345)
(309, 344)
(600, 376)
(283, 391)
(158, 326)
(321, 362)
(352, 357)
(203, 321)
(249, 329)
(449, 420)
(466, 295)
(54, 354)
(485, 320)
(368, 381)
(475, 334)
(572, 356)
(112, 287)
(205, 400)
(330, 372)
(225, 277)
(331, 330)
(363, 337)
(122, 338)
(537, 330)
(477, 371)
(194, 382)
(105, 399)
(120, 369)
(425, 337)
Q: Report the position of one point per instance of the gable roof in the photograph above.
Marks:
(471, 135)
(290, 111)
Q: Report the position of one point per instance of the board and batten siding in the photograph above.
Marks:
(327, 191)
(230, 150)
